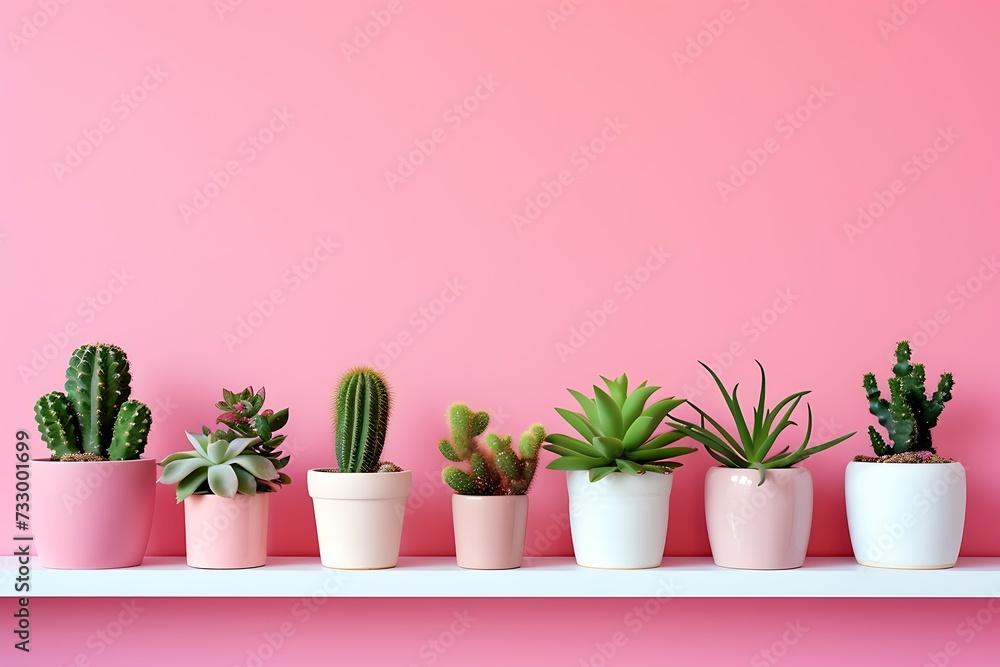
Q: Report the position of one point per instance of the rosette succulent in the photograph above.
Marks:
(220, 467)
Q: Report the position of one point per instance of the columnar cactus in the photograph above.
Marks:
(361, 413)
(95, 415)
(494, 470)
(910, 415)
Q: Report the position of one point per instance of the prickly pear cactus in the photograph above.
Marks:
(494, 469)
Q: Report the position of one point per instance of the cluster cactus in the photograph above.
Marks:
(361, 417)
(94, 420)
(910, 415)
(495, 469)
(244, 415)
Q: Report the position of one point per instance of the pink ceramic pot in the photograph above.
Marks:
(226, 533)
(755, 527)
(92, 515)
(489, 531)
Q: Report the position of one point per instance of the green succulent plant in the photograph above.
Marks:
(245, 417)
(495, 469)
(909, 417)
(218, 466)
(361, 416)
(94, 420)
(751, 447)
(617, 430)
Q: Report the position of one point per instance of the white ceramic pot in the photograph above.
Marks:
(906, 515)
(359, 517)
(620, 522)
(758, 526)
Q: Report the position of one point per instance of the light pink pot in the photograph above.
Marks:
(226, 533)
(92, 515)
(754, 527)
(489, 531)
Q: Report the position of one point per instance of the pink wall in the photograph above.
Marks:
(471, 271)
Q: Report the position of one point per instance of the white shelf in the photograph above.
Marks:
(539, 578)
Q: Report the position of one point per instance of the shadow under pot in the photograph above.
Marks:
(754, 526)
(226, 533)
(359, 516)
(489, 531)
(906, 515)
(92, 515)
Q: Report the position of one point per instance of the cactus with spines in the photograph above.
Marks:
(495, 469)
(361, 415)
(910, 414)
(94, 416)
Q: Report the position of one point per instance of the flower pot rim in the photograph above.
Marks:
(505, 496)
(905, 464)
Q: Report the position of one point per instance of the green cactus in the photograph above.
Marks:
(910, 415)
(131, 431)
(95, 415)
(57, 423)
(361, 414)
(494, 469)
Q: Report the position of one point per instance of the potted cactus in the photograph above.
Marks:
(490, 505)
(906, 504)
(225, 482)
(619, 475)
(93, 497)
(758, 502)
(359, 505)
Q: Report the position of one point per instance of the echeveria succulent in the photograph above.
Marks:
(217, 466)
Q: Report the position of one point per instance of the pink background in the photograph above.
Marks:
(922, 269)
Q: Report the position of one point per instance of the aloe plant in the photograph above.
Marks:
(617, 431)
(495, 469)
(218, 466)
(909, 417)
(751, 446)
(94, 420)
